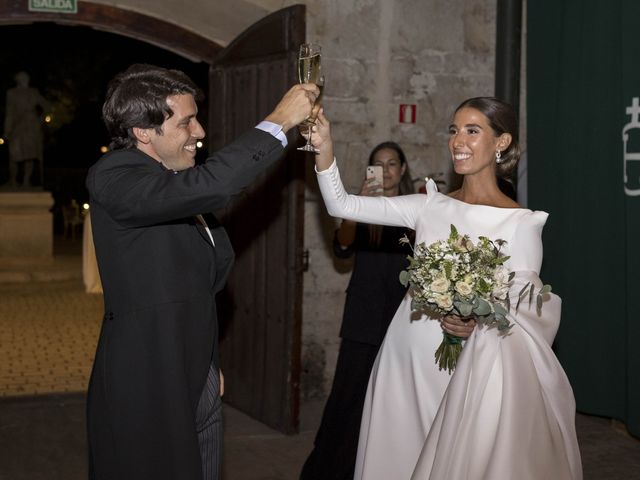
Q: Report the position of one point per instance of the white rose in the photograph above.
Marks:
(463, 288)
(444, 301)
(501, 292)
(501, 275)
(440, 285)
(501, 285)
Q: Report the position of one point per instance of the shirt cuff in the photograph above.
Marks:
(275, 130)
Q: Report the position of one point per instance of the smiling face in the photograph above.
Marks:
(175, 146)
(393, 170)
(473, 143)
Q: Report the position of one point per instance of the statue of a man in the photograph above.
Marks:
(23, 128)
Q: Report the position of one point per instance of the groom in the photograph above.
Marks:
(153, 409)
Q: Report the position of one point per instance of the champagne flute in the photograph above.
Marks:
(308, 124)
(310, 71)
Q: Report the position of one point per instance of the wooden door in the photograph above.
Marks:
(261, 308)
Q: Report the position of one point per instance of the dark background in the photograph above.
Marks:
(71, 66)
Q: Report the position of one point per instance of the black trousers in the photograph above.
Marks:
(209, 426)
(336, 445)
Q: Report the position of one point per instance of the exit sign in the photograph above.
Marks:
(57, 6)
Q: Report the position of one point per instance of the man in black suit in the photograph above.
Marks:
(153, 408)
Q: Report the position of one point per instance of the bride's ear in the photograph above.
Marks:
(504, 141)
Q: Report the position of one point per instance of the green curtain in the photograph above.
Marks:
(583, 71)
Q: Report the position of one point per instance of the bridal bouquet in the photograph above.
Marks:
(456, 276)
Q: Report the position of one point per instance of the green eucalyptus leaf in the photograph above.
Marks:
(545, 289)
(483, 307)
(539, 304)
(500, 310)
(531, 295)
(521, 294)
(524, 290)
(464, 308)
(504, 328)
(404, 278)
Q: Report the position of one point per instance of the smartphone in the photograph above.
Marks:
(375, 171)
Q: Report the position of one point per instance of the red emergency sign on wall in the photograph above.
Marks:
(407, 113)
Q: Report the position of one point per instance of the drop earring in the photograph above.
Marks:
(498, 157)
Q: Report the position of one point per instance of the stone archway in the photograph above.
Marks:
(119, 21)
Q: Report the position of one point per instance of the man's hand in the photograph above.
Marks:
(295, 106)
(454, 325)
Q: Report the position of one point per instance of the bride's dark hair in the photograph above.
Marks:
(502, 119)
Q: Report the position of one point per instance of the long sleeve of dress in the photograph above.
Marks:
(400, 211)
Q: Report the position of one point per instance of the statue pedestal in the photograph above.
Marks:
(26, 225)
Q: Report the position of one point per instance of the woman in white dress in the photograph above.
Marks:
(507, 412)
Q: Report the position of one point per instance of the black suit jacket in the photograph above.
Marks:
(160, 275)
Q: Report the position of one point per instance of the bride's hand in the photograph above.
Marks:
(455, 325)
(321, 140)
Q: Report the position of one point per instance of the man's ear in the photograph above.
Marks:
(141, 134)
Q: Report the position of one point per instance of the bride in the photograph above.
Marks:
(507, 412)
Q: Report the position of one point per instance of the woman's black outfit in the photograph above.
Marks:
(373, 296)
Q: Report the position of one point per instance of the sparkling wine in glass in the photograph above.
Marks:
(310, 71)
(309, 63)
(308, 124)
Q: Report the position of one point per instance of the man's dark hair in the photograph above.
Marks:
(137, 97)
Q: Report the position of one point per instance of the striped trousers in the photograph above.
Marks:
(209, 426)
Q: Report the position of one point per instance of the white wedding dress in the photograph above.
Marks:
(507, 412)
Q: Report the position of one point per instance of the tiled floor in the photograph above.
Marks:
(48, 332)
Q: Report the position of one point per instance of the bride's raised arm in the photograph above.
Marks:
(396, 211)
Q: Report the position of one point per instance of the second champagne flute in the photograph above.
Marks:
(311, 120)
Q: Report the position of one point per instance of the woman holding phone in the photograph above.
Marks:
(373, 295)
